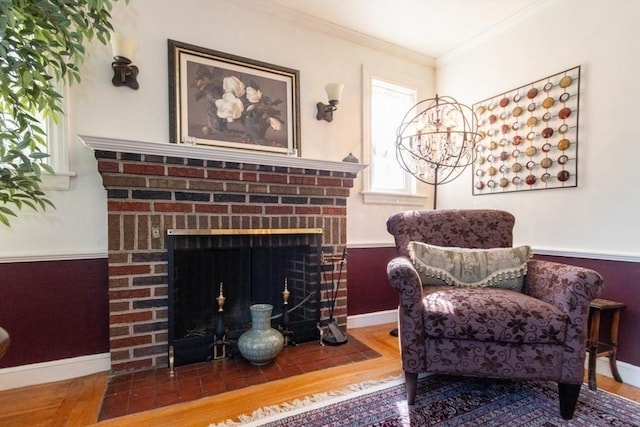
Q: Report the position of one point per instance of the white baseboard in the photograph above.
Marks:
(629, 373)
(56, 370)
(371, 319)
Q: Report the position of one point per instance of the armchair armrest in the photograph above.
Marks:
(571, 289)
(568, 287)
(404, 278)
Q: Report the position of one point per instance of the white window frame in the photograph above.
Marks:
(415, 192)
(58, 149)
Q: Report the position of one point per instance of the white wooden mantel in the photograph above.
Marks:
(214, 153)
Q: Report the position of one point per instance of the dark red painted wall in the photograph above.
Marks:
(58, 309)
(54, 310)
(368, 290)
(621, 283)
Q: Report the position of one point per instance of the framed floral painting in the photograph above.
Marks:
(228, 101)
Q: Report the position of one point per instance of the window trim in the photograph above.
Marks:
(419, 196)
(58, 148)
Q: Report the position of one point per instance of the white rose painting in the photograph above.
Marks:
(236, 106)
(224, 100)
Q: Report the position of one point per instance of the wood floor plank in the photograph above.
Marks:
(32, 406)
(77, 402)
(81, 403)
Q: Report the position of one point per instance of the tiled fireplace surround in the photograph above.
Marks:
(153, 187)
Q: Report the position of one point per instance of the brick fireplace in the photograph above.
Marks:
(155, 187)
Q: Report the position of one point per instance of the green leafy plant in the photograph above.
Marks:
(41, 45)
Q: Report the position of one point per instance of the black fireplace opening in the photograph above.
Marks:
(246, 267)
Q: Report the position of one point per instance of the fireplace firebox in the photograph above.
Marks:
(245, 266)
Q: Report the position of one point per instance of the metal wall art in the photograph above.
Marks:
(529, 137)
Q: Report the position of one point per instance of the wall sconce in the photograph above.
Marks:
(124, 72)
(325, 112)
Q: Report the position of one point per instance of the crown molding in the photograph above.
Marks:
(491, 33)
(319, 25)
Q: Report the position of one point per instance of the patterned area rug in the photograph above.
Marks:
(447, 401)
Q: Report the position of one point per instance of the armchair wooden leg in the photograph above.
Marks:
(411, 385)
(568, 398)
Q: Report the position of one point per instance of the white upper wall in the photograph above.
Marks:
(601, 215)
(79, 225)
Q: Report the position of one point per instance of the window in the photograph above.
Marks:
(386, 101)
(58, 149)
(389, 103)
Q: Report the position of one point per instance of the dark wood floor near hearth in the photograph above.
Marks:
(142, 391)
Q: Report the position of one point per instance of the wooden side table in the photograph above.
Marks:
(4, 342)
(599, 348)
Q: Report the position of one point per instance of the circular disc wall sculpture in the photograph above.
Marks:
(528, 137)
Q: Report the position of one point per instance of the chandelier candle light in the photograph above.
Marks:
(436, 141)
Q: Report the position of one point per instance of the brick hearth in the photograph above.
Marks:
(150, 192)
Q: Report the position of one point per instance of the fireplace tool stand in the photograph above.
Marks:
(334, 336)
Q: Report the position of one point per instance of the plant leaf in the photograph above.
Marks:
(41, 42)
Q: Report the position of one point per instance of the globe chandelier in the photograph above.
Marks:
(436, 141)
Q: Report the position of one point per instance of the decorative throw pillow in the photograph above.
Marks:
(499, 267)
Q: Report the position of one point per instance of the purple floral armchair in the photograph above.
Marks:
(537, 334)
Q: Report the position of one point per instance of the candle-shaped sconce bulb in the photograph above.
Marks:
(286, 293)
(220, 298)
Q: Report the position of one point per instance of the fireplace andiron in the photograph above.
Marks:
(283, 327)
(219, 345)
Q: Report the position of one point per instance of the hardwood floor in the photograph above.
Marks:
(77, 402)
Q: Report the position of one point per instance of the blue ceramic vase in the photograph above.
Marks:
(262, 343)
